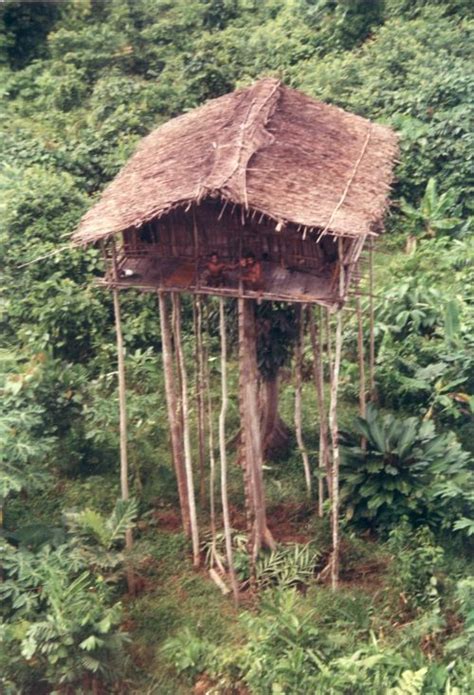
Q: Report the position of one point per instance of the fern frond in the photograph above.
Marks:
(121, 520)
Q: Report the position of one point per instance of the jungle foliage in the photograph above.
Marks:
(82, 82)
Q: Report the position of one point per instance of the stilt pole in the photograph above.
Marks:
(333, 423)
(212, 464)
(223, 454)
(186, 435)
(200, 404)
(301, 312)
(318, 372)
(174, 417)
(361, 356)
(371, 323)
(122, 413)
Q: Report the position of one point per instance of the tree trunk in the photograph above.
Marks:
(275, 432)
(174, 417)
(250, 423)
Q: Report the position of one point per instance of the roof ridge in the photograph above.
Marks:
(248, 135)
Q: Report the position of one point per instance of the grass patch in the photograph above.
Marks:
(183, 598)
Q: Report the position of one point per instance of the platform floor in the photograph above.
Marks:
(151, 273)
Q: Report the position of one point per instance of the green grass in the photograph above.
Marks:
(180, 598)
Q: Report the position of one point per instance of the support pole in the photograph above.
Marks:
(122, 396)
(327, 326)
(175, 298)
(122, 415)
(301, 309)
(122, 408)
(371, 323)
(318, 373)
(212, 464)
(223, 454)
(200, 404)
(174, 417)
(333, 424)
(361, 356)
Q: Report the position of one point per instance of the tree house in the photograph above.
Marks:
(277, 190)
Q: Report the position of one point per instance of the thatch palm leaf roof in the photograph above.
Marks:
(266, 147)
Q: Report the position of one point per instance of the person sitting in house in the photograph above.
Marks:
(214, 275)
(252, 272)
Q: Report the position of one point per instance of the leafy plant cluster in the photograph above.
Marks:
(60, 621)
(402, 467)
(289, 565)
(290, 648)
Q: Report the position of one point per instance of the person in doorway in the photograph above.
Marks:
(214, 275)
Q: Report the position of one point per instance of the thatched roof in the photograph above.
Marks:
(266, 147)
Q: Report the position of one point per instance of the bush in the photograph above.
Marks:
(417, 563)
(394, 474)
(58, 619)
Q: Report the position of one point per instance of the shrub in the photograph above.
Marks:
(394, 475)
(416, 567)
(59, 619)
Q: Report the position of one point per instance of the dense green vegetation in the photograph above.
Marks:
(82, 81)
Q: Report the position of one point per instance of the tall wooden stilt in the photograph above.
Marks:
(318, 372)
(371, 323)
(361, 356)
(186, 434)
(200, 404)
(174, 417)
(123, 410)
(212, 463)
(250, 423)
(175, 322)
(298, 397)
(223, 453)
(327, 326)
(333, 424)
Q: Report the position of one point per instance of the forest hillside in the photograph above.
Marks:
(83, 81)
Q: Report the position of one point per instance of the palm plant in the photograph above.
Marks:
(392, 476)
(98, 540)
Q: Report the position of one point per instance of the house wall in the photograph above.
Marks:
(172, 253)
(207, 229)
